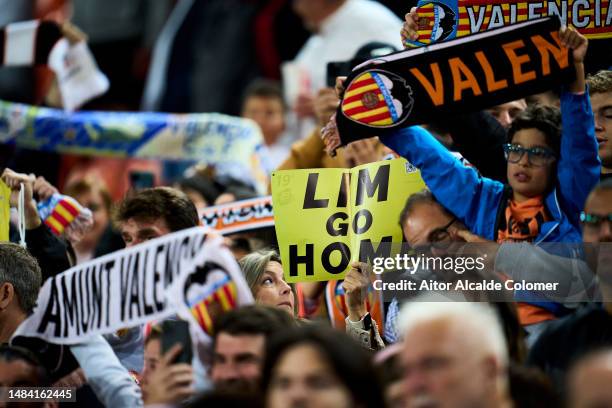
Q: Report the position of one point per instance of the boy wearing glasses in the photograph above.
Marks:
(551, 169)
(532, 152)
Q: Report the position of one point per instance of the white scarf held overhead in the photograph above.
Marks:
(35, 42)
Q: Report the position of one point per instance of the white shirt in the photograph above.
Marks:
(354, 24)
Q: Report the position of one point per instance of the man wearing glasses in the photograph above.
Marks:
(427, 226)
(431, 229)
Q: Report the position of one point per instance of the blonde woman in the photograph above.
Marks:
(264, 275)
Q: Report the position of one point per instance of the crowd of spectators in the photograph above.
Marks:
(539, 171)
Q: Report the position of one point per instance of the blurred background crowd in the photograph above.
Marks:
(267, 60)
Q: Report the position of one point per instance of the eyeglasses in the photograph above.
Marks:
(439, 238)
(537, 156)
(594, 220)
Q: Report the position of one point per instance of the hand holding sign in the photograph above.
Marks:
(331, 137)
(325, 104)
(73, 33)
(14, 180)
(340, 86)
(572, 39)
(409, 29)
(356, 283)
(575, 41)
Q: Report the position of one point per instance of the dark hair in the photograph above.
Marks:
(226, 399)
(11, 353)
(421, 197)
(546, 119)
(203, 186)
(166, 203)
(264, 88)
(230, 185)
(531, 388)
(553, 96)
(155, 333)
(21, 270)
(241, 193)
(253, 319)
(350, 363)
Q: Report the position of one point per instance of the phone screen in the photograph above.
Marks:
(177, 331)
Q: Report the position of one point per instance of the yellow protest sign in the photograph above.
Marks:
(5, 211)
(327, 218)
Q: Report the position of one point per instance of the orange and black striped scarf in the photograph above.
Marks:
(522, 221)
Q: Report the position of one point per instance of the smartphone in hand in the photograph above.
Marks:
(177, 331)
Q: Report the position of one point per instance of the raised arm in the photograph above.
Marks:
(461, 190)
(579, 167)
(49, 250)
(111, 382)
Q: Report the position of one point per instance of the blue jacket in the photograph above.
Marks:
(479, 202)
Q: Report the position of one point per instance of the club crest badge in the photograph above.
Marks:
(378, 99)
(436, 22)
(209, 293)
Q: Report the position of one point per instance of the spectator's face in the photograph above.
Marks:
(425, 226)
(94, 201)
(602, 108)
(152, 355)
(442, 368)
(302, 378)
(135, 232)
(268, 113)
(589, 384)
(506, 112)
(237, 361)
(527, 179)
(599, 203)
(272, 290)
